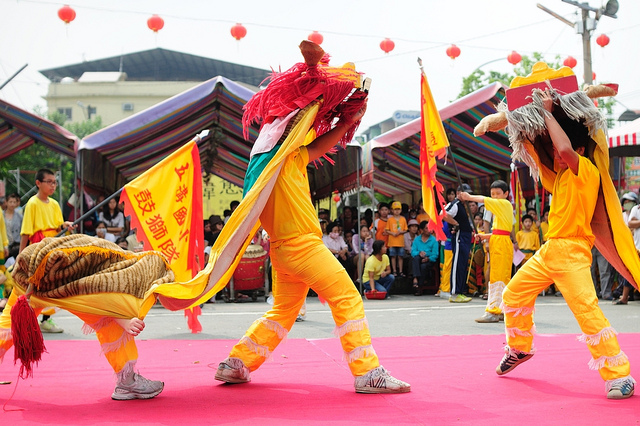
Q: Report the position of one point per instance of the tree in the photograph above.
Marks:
(479, 79)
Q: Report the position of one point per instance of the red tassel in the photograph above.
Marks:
(27, 337)
(192, 319)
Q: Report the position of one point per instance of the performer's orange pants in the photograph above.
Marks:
(299, 264)
(118, 346)
(566, 262)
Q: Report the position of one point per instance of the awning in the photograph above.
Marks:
(480, 160)
(625, 140)
(20, 129)
(117, 154)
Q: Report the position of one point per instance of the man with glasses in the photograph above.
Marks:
(43, 218)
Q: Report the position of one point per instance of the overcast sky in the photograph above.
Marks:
(31, 32)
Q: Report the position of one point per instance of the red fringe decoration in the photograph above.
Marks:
(192, 319)
(27, 337)
(299, 86)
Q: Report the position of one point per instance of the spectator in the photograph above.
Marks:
(101, 232)
(528, 242)
(396, 228)
(336, 244)
(123, 243)
(377, 274)
(112, 218)
(216, 226)
(362, 245)
(425, 256)
(43, 218)
(349, 220)
(422, 215)
(461, 232)
(379, 229)
(409, 236)
(631, 214)
(323, 214)
(13, 222)
(208, 235)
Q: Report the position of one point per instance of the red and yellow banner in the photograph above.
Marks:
(165, 205)
(433, 143)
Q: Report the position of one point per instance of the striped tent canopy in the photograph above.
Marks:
(625, 140)
(20, 129)
(395, 154)
(115, 155)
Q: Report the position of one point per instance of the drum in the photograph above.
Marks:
(249, 274)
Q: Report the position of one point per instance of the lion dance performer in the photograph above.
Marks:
(556, 129)
(297, 105)
(98, 282)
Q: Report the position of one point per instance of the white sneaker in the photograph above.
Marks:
(141, 388)
(379, 380)
(233, 370)
(445, 295)
(49, 326)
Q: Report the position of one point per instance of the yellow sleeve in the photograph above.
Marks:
(3, 232)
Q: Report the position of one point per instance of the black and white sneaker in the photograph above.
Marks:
(512, 358)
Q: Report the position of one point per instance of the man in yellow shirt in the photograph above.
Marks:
(500, 245)
(42, 218)
(566, 257)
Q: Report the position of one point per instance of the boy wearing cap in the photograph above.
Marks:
(396, 228)
(500, 245)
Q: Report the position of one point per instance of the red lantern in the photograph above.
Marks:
(155, 23)
(514, 57)
(593, 76)
(66, 13)
(570, 62)
(238, 31)
(336, 198)
(387, 45)
(602, 40)
(453, 51)
(316, 37)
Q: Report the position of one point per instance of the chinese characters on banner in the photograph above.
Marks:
(165, 205)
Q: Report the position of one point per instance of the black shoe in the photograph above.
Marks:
(511, 360)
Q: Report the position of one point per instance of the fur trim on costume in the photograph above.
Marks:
(92, 328)
(594, 339)
(359, 352)
(5, 335)
(274, 326)
(525, 310)
(116, 344)
(350, 326)
(127, 371)
(515, 331)
(262, 351)
(611, 361)
(507, 350)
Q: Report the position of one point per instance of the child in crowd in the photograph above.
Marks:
(396, 228)
(528, 242)
(379, 227)
(500, 245)
(377, 274)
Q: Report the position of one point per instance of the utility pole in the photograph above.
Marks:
(585, 27)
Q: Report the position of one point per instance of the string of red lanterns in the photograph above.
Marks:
(155, 23)
(66, 14)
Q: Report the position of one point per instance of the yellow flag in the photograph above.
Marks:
(433, 143)
(165, 205)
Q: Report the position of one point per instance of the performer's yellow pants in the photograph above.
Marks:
(299, 264)
(567, 263)
(445, 274)
(118, 346)
(501, 254)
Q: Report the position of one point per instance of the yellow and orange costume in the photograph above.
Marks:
(500, 251)
(584, 210)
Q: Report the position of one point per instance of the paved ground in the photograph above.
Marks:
(402, 315)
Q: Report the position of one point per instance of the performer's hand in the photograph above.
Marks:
(464, 196)
(133, 326)
(547, 100)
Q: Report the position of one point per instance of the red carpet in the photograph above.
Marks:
(452, 378)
